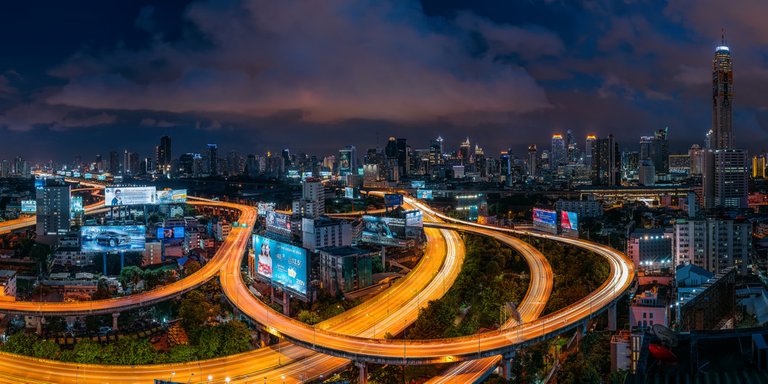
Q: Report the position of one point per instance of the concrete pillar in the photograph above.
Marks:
(286, 303)
(612, 317)
(363, 368)
(122, 260)
(39, 329)
(114, 320)
(104, 258)
(505, 366)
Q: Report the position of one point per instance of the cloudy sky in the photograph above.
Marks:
(258, 75)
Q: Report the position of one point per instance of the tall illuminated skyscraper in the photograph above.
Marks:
(722, 98)
(558, 151)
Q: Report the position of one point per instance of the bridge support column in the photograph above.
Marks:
(114, 320)
(39, 327)
(363, 368)
(122, 261)
(263, 338)
(505, 366)
(286, 303)
(612, 317)
(104, 259)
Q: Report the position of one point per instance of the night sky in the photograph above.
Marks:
(87, 77)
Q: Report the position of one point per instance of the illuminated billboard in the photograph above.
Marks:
(28, 206)
(414, 223)
(569, 220)
(172, 196)
(393, 200)
(418, 184)
(112, 238)
(118, 196)
(282, 264)
(544, 217)
(263, 208)
(349, 193)
(76, 206)
(279, 223)
(170, 233)
(424, 194)
(383, 230)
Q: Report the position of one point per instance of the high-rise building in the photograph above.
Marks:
(558, 153)
(630, 165)
(696, 153)
(725, 178)
(465, 152)
(722, 98)
(606, 162)
(661, 150)
(312, 202)
(114, 163)
(164, 155)
(758, 167)
(348, 161)
(532, 160)
(713, 243)
(53, 210)
(213, 159)
(436, 151)
(588, 150)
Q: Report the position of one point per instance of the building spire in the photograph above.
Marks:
(722, 36)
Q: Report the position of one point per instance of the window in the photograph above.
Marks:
(650, 315)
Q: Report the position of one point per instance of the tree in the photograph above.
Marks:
(102, 290)
(194, 311)
(209, 342)
(128, 351)
(130, 276)
(309, 317)
(191, 266)
(181, 353)
(87, 352)
(236, 338)
(46, 349)
(21, 343)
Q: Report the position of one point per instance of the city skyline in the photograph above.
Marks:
(639, 69)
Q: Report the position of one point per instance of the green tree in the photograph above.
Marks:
(87, 352)
(181, 353)
(21, 343)
(194, 311)
(46, 349)
(130, 276)
(209, 342)
(102, 290)
(191, 267)
(309, 317)
(129, 351)
(235, 338)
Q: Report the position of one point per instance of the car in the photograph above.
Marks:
(112, 238)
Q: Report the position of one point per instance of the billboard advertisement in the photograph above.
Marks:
(28, 206)
(414, 223)
(76, 206)
(418, 184)
(263, 208)
(105, 238)
(569, 220)
(393, 199)
(545, 217)
(349, 193)
(384, 230)
(172, 196)
(424, 194)
(170, 233)
(117, 196)
(283, 264)
(279, 223)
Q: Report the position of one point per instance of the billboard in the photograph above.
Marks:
(170, 233)
(279, 223)
(117, 196)
(28, 206)
(418, 184)
(384, 230)
(545, 217)
(283, 264)
(349, 193)
(105, 238)
(424, 194)
(76, 206)
(414, 223)
(393, 200)
(569, 220)
(263, 208)
(172, 196)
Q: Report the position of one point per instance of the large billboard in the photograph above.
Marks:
(418, 184)
(545, 217)
(424, 194)
(349, 193)
(384, 230)
(117, 196)
(414, 223)
(28, 206)
(76, 206)
(263, 208)
(569, 220)
(172, 196)
(279, 223)
(170, 233)
(393, 199)
(104, 238)
(282, 264)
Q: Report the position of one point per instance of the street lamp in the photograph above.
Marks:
(283, 377)
(227, 379)
(210, 378)
(173, 373)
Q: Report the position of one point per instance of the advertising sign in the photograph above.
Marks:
(76, 206)
(414, 223)
(279, 223)
(384, 230)
(112, 238)
(349, 193)
(393, 199)
(282, 264)
(418, 184)
(170, 233)
(88, 176)
(28, 206)
(345, 162)
(544, 217)
(39, 183)
(118, 196)
(263, 208)
(101, 177)
(172, 196)
(569, 220)
(424, 194)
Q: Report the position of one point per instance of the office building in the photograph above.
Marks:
(325, 232)
(588, 150)
(758, 167)
(605, 162)
(713, 244)
(213, 159)
(722, 98)
(436, 151)
(163, 161)
(583, 208)
(53, 210)
(312, 201)
(725, 178)
(533, 161)
(345, 269)
(558, 154)
(650, 249)
(646, 173)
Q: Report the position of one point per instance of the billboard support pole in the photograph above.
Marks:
(122, 261)
(104, 258)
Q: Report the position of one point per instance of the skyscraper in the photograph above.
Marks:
(53, 210)
(605, 161)
(722, 98)
(348, 161)
(164, 155)
(588, 150)
(725, 178)
(436, 151)
(532, 160)
(213, 160)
